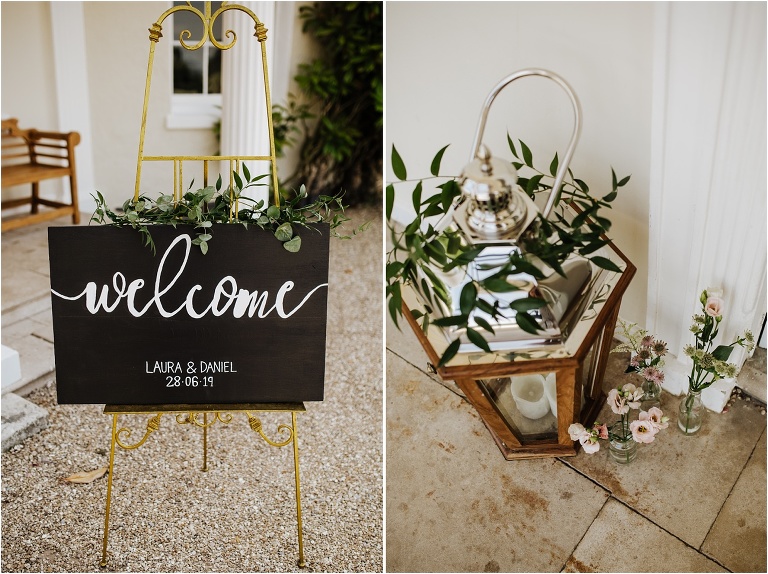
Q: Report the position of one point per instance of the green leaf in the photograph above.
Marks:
(527, 323)
(293, 245)
(477, 339)
(611, 196)
(398, 167)
(450, 352)
(238, 180)
(527, 155)
(218, 183)
(467, 298)
(533, 184)
(527, 304)
(512, 147)
(434, 169)
(614, 181)
(722, 352)
(416, 197)
(273, 212)
(499, 285)
(605, 263)
(624, 181)
(284, 232)
(246, 173)
(205, 224)
(484, 324)
(553, 166)
(454, 321)
(390, 200)
(393, 268)
(204, 247)
(205, 237)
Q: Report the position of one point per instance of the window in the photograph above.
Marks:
(196, 99)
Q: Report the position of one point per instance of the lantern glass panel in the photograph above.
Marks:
(526, 403)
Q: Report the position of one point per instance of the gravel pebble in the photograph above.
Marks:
(168, 516)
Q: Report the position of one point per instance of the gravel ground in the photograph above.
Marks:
(168, 516)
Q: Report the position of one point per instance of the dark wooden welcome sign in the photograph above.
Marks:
(243, 323)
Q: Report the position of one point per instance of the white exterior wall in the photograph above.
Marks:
(27, 71)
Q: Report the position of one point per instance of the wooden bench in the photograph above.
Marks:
(30, 156)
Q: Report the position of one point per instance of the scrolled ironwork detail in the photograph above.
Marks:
(193, 418)
(207, 19)
(152, 425)
(256, 426)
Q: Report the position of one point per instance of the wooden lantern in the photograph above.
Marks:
(528, 400)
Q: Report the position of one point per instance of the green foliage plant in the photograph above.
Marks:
(420, 248)
(212, 204)
(343, 91)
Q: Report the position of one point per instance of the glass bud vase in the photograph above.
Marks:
(691, 413)
(621, 445)
(651, 395)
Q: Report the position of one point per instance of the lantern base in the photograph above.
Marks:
(511, 447)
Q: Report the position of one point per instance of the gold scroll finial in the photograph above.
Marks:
(261, 32)
(155, 32)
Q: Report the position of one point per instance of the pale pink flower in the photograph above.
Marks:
(647, 341)
(632, 395)
(576, 431)
(653, 374)
(617, 402)
(714, 307)
(660, 348)
(602, 431)
(589, 444)
(655, 417)
(643, 431)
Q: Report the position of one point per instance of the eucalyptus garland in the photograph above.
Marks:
(211, 204)
(419, 248)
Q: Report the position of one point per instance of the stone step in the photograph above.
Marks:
(20, 420)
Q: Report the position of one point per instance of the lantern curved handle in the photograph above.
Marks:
(562, 169)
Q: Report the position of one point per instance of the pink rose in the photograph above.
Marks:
(714, 307)
(643, 431)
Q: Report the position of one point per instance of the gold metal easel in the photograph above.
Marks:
(189, 413)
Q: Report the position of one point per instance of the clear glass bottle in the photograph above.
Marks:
(691, 413)
(651, 396)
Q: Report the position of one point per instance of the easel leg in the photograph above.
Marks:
(103, 562)
(205, 442)
(301, 561)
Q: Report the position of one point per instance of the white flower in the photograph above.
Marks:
(576, 431)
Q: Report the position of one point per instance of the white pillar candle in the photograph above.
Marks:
(528, 393)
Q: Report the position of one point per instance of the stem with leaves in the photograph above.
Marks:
(420, 248)
(212, 204)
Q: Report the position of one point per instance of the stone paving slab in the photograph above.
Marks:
(620, 540)
(20, 420)
(738, 537)
(455, 505)
(679, 482)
